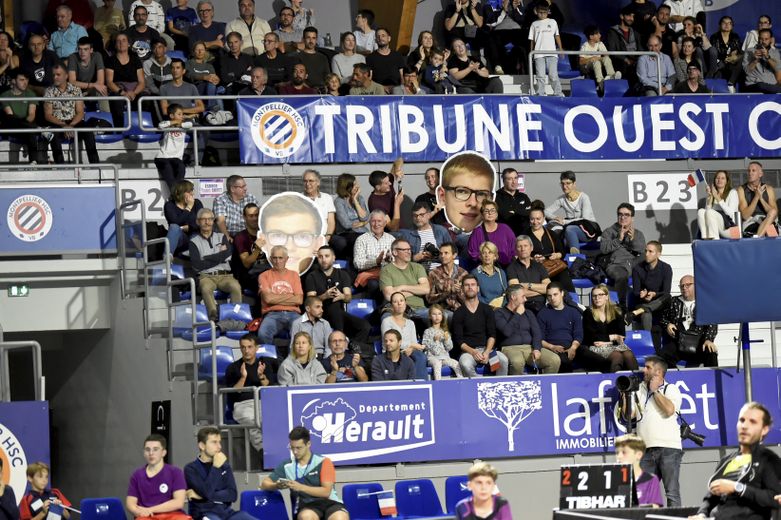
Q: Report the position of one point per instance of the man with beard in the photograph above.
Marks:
(297, 85)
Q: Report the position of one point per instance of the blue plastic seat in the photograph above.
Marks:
(360, 505)
(717, 85)
(110, 508)
(417, 498)
(137, 134)
(641, 344)
(173, 54)
(183, 322)
(378, 347)
(579, 283)
(613, 296)
(455, 491)
(615, 87)
(235, 311)
(104, 137)
(565, 69)
(341, 264)
(266, 505)
(586, 88)
(361, 307)
(224, 358)
(266, 350)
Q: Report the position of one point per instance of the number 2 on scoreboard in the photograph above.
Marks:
(565, 478)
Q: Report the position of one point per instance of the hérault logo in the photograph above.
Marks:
(351, 423)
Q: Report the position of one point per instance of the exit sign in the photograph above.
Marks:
(18, 290)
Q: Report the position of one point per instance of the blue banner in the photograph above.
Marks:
(24, 439)
(462, 419)
(351, 129)
(57, 219)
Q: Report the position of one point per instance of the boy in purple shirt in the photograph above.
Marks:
(157, 490)
(484, 502)
(629, 450)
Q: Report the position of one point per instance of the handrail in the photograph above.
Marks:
(195, 128)
(5, 382)
(75, 130)
(594, 53)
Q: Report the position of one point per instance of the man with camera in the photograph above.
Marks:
(426, 238)
(763, 65)
(655, 405)
(746, 482)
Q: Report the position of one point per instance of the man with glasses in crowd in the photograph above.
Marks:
(210, 254)
(624, 244)
(514, 205)
(229, 207)
(157, 488)
(250, 28)
(424, 235)
(407, 277)
(279, 67)
(211, 33)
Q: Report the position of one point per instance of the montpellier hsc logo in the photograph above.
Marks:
(354, 423)
(277, 130)
(29, 218)
(14, 471)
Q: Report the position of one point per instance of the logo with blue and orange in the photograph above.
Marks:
(277, 130)
(14, 472)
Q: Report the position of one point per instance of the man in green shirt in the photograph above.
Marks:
(21, 114)
(405, 276)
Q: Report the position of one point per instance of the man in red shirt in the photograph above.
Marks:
(281, 296)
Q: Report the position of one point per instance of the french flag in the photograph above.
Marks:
(493, 361)
(696, 177)
(387, 503)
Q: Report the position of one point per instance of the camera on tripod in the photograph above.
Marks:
(628, 384)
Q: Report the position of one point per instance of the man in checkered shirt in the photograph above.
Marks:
(229, 207)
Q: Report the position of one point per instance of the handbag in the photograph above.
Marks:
(556, 266)
(688, 342)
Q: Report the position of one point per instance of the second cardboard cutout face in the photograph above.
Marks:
(467, 179)
(290, 219)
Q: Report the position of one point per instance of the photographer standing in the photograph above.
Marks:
(655, 405)
(746, 482)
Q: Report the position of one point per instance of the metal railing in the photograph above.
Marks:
(5, 374)
(76, 130)
(195, 129)
(594, 53)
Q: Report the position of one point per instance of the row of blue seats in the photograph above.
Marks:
(587, 88)
(414, 499)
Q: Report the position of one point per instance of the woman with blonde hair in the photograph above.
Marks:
(604, 332)
(301, 367)
(490, 277)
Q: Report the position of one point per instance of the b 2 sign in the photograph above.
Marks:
(663, 191)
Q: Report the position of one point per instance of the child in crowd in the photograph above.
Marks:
(178, 20)
(485, 501)
(629, 450)
(435, 76)
(597, 66)
(170, 165)
(36, 503)
(438, 343)
(544, 36)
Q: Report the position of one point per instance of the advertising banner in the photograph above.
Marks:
(308, 129)
(24, 439)
(57, 219)
(492, 417)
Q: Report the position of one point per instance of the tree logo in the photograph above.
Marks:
(510, 403)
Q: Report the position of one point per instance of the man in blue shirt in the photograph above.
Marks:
(648, 74)
(64, 41)
(562, 332)
(211, 487)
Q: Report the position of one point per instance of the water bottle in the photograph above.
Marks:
(327, 41)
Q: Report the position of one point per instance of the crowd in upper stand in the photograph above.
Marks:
(185, 51)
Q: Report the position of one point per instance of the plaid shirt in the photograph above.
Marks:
(232, 211)
(368, 248)
(444, 290)
(63, 110)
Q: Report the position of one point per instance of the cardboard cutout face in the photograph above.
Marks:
(467, 179)
(289, 219)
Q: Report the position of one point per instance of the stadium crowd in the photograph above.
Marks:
(188, 52)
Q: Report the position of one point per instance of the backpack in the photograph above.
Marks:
(581, 268)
